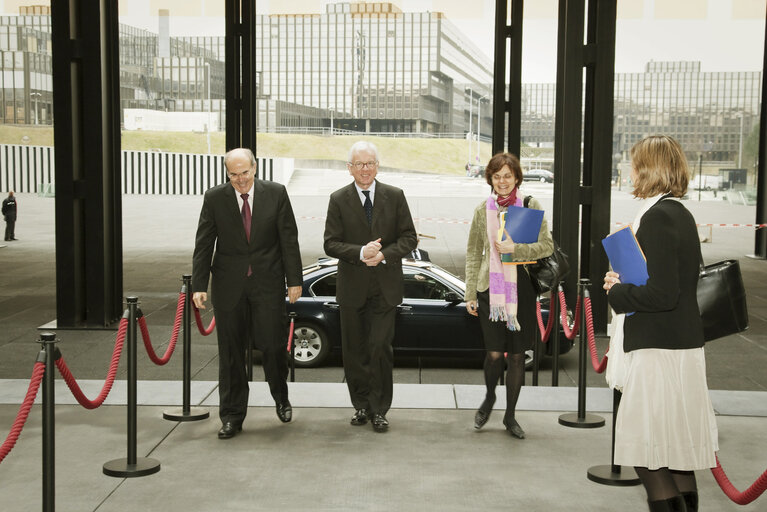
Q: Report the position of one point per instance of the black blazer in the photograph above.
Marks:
(347, 230)
(666, 308)
(272, 253)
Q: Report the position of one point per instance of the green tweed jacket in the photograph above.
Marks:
(478, 250)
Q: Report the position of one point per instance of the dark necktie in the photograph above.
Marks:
(246, 217)
(368, 207)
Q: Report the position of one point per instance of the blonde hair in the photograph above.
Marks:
(661, 167)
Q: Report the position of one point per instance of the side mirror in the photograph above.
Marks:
(453, 297)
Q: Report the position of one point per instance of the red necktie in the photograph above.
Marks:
(246, 217)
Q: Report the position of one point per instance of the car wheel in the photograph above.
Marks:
(312, 345)
(543, 180)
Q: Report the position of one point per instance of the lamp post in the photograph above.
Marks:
(332, 110)
(471, 113)
(36, 95)
(479, 123)
(207, 79)
(740, 142)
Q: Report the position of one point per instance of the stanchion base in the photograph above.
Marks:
(120, 467)
(571, 419)
(178, 414)
(605, 475)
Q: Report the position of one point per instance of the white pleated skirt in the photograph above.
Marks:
(665, 418)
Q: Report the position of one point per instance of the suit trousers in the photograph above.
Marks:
(10, 228)
(254, 317)
(367, 333)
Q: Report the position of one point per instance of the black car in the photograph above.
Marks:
(432, 319)
(541, 175)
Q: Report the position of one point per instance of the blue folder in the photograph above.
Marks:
(626, 257)
(523, 224)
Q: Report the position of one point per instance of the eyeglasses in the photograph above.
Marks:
(235, 175)
(361, 165)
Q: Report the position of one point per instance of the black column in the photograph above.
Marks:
(507, 137)
(240, 74)
(598, 150)
(86, 105)
(760, 239)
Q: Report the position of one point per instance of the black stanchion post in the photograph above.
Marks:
(48, 341)
(612, 474)
(249, 352)
(292, 316)
(131, 466)
(186, 413)
(581, 419)
(536, 354)
(554, 336)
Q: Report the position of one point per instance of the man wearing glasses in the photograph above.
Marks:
(248, 241)
(369, 229)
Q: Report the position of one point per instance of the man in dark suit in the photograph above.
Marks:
(369, 229)
(251, 226)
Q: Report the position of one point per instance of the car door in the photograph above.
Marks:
(432, 317)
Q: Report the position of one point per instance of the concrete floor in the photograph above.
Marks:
(432, 459)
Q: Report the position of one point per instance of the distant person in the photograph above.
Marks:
(9, 213)
(502, 294)
(419, 254)
(369, 229)
(248, 241)
(665, 425)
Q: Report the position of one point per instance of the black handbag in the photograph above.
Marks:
(547, 273)
(722, 299)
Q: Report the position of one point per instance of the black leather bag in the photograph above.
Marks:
(547, 273)
(722, 299)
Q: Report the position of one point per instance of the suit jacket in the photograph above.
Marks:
(666, 307)
(272, 253)
(347, 230)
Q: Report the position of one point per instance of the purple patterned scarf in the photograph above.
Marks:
(503, 278)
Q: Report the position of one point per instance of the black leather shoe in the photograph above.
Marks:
(483, 413)
(380, 423)
(514, 429)
(229, 429)
(360, 417)
(285, 412)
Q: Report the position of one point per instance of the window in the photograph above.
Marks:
(419, 285)
(325, 286)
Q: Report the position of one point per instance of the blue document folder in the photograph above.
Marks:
(626, 257)
(523, 224)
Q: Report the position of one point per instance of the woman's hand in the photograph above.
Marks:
(506, 246)
(471, 307)
(611, 278)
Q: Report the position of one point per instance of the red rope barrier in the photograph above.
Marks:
(599, 366)
(159, 361)
(34, 385)
(202, 329)
(545, 332)
(741, 498)
(290, 334)
(569, 334)
(72, 383)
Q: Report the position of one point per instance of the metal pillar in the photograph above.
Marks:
(86, 105)
(240, 67)
(595, 196)
(760, 238)
(501, 106)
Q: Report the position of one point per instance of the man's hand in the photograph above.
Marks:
(294, 292)
(375, 260)
(371, 249)
(199, 299)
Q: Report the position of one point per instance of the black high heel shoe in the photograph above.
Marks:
(483, 413)
(513, 427)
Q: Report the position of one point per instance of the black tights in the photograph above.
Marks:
(515, 378)
(663, 483)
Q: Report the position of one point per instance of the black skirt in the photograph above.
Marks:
(497, 337)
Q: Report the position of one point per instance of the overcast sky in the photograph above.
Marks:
(725, 35)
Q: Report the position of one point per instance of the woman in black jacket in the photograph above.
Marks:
(665, 425)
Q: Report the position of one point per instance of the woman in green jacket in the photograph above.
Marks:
(501, 293)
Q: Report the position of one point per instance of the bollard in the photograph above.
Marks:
(48, 341)
(292, 316)
(612, 474)
(581, 419)
(554, 336)
(131, 466)
(186, 412)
